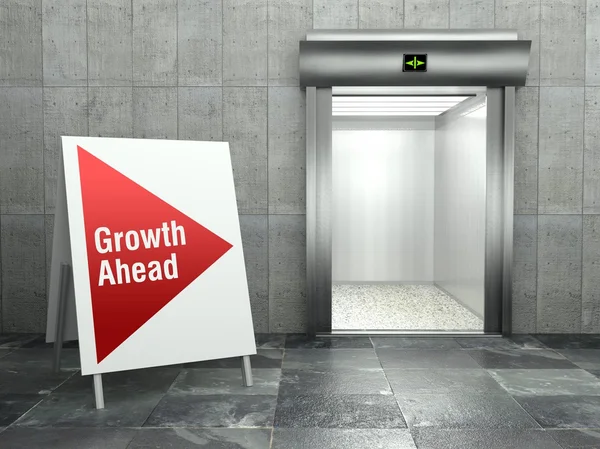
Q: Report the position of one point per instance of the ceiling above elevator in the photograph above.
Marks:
(385, 106)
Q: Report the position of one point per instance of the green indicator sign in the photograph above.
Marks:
(415, 63)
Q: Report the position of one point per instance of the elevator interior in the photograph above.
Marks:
(408, 213)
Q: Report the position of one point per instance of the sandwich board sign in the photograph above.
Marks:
(151, 231)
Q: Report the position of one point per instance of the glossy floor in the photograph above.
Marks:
(342, 393)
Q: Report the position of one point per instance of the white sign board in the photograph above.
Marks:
(156, 253)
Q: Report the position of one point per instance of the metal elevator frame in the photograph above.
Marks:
(369, 62)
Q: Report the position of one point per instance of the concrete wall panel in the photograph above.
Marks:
(426, 13)
(525, 274)
(155, 112)
(591, 152)
(155, 42)
(110, 55)
(472, 13)
(49, 236)
(592, 43)
(562, 43)
(334, 14)
(288, 22)
(21, 151)
(21, 43)
(590, 299)
(559, 274)
(245, 42)
(65, 43)
(245, 128)
(65, 114)
(526, 150)
(200, 43)
(380, 14)
(561, 150)
(200, 113)
(287, 273)
(255, 238)
(287, 148)
(111, 111)
(23, 273)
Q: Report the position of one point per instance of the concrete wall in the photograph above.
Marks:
(228, 69)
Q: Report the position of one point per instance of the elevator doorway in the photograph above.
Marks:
(408, 213)
(410, 209)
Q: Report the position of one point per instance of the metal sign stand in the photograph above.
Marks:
(65, 279)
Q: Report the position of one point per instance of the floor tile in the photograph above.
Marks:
(206, 381)
(302, 342)
(520, 359)
(464, 411)
(157, 380)
(584, 358)
(328, 360)
(61, 438)
(182, 438)
(595, 372)
(270, 341)
(264, 358)
(574, 412)
(299, 382)
(525, 341)
(123, 409)
(441, 381)
(562, 341)
(429, 438)
(16, 340)
(577, 439)
(486, 343)
(433, 359)
(414, 343)
(178, 410)
(339, 411)
(13, 406)
(547, 382)
(29, 371)
(40, 343)
(342, 439)
(44, 358)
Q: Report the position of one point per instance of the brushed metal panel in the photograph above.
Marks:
(379, 63)
(323, 140)
(412, 35)
(408, 90)
(460, 203)
(382, 205)
(508, 205)
(311, 209)
(494, 250)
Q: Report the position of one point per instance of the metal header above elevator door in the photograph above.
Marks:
(493, 58)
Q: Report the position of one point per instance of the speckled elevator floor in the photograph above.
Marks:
(399, 307)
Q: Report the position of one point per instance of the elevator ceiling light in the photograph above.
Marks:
(393, 105)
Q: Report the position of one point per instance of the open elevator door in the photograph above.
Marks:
(373, 62)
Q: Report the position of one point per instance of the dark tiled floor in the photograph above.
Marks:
(526, 392)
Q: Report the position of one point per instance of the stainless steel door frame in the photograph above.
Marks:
(499, 212)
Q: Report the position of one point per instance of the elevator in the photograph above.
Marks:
(409, 171)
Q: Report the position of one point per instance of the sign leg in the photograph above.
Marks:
(247, 371)
(98, 392)
(65, 277)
